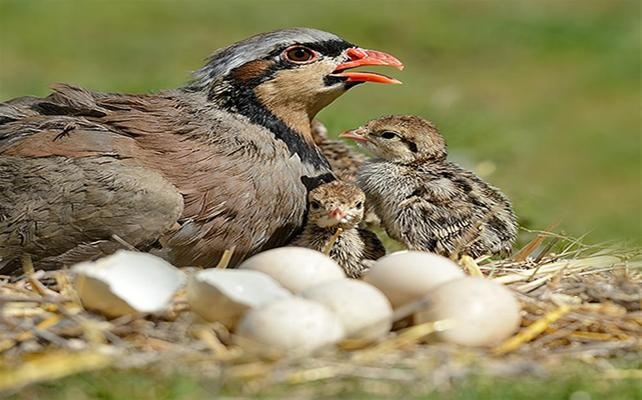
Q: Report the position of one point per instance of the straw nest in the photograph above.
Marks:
(580, 302)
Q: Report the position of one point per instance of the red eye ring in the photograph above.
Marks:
(298, 54)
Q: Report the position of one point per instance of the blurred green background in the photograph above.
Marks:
(543, 97)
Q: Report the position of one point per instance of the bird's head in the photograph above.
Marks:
(401, 139)
(336, 204)
(290, 73)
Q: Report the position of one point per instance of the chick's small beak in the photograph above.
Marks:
(336, 214)
(361, 57)
(355, 135)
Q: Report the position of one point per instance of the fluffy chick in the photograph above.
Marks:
(425, 201)
(334, 212)
(344, 162)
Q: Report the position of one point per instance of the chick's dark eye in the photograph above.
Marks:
(299, 55)
(315, 205)
(388, 135)
(359, 205)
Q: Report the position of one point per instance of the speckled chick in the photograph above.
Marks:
(339, 205)
(344, 162)
(425, 201)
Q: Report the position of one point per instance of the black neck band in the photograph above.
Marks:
(242, 100)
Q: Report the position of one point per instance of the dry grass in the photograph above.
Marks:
(580, 302)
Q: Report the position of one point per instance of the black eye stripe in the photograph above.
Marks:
(328, 48)
(412, 146)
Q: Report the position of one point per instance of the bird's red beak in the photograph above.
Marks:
(336, 214)
(354, 135)
(361, 57)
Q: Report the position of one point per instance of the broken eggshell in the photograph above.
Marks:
(407, 276)
(295, 268)
(477, 311)
(362, 309)
(127, 282)
(225, 295)
(292, 326)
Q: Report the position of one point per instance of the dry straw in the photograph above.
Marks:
(582, 302)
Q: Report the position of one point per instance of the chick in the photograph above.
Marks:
(344, 161)
(334, 212)
(425, 201)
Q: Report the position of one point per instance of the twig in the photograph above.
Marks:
(471, 266)
(532, 331)
(328, 246)
(27, 264)
(123, 243)
(226, 257)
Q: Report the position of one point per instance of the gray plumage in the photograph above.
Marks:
(198, 170)
(256, 47)
(425, 201)
(69, 182)
(340, 205)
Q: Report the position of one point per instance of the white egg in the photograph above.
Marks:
(291, 326)
(295, 268)
(363, 310)
(225, 295)
(407, 276)
(127, 282)
(480, 312)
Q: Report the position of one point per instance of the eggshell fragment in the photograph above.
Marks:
(407, 276)
(362, 309)
(127, 282)
(480, 312)
(295, 268)
(289, 326)
(225, 295)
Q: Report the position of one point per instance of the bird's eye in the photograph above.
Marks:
(315, 205)
(299, 55)
(388, 135)
(359, 205)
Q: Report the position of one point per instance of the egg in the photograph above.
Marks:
(291, 326)
(362, 309)
(225, 295)
(295, 268)
(127, 282)
(407, 276)
(478, 311)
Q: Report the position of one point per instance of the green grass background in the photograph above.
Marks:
(548, 91)
(568, 384)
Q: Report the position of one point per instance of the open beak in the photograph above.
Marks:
(354, 135)
(361, 57)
